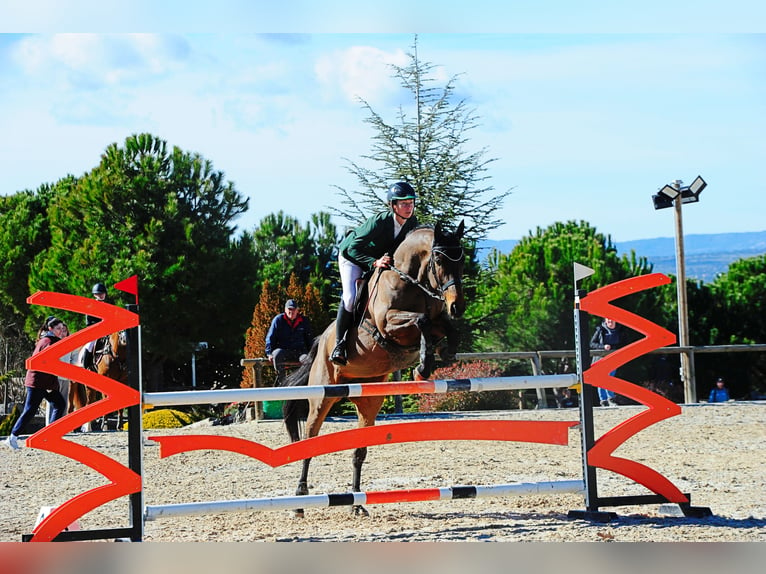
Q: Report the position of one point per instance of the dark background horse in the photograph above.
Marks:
(405, 322)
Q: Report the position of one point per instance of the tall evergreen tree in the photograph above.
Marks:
(427, 146)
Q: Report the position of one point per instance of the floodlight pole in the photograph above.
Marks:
(687, 366)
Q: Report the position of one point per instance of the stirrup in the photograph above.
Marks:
(338, 355)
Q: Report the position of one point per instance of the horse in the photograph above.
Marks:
(405, 320)
(110, 359)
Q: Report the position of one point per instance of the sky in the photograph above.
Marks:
(585, 117)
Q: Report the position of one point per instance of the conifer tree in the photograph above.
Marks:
(426, 146)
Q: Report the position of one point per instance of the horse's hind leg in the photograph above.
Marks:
(367, 410)
(317, 413)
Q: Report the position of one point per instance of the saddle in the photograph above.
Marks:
(362, 294)
(98, 350)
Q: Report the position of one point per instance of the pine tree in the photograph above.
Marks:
(426, 147)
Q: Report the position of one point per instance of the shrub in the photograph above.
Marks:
(467, 400)
(165, 419)
(9, 420)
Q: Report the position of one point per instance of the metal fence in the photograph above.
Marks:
(536, 359)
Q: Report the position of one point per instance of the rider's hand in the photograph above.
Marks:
(384, 261)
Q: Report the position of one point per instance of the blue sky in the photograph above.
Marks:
(586, 120)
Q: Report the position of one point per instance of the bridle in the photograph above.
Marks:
(438, 292)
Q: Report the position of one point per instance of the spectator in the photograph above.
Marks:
(289, 338)
(719, 393)
(567, 399)
(41, 385)
(609, 336)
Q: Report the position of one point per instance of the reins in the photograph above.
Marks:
(436, 294)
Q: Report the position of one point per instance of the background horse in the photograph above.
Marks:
(406, 320)
(110, 358)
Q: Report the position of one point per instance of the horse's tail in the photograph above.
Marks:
(295, 411)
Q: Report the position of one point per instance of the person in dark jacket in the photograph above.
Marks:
(371, 245)
(41, 385)
(289, 338)
(719, 393)
(609, 336)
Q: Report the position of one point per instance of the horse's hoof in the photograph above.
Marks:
(358, 510)
(298, 513)
(422, 372)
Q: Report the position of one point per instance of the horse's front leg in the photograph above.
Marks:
(427, 361)
(317, 413)
(448, 349)
(303, 486)
(360, 454)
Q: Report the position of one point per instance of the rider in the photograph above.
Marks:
(371, 245)
(99, 293)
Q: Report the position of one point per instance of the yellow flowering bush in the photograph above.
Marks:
(165, 419)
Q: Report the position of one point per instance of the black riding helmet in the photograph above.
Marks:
(99, 288)
(401, 190)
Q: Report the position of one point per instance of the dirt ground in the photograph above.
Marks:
(713, 452)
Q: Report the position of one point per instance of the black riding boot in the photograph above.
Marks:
(342, 323)
(87, 359)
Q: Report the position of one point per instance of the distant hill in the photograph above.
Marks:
(706, 255)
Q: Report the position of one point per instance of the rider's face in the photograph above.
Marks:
(404, 208)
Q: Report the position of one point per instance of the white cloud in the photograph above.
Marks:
(93, 61)
(359, 72)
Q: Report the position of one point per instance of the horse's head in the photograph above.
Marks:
(120, 344)
(112, 361)
(447, 259)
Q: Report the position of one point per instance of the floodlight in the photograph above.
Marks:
(664, 198)
(698, 185)
(669, 191)
(661, 201)
(688, 197)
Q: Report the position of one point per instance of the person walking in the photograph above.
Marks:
(369, 246)
(71, 358)
(41, 385)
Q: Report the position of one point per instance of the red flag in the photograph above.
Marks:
(129, 285)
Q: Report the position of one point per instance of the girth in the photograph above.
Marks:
(387, 344)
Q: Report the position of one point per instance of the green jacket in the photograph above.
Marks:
(374, 238)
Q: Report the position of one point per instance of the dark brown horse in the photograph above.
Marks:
(406, 321)
(110, 360)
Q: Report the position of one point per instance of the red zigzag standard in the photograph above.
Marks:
(600, 455)
(123, 481)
